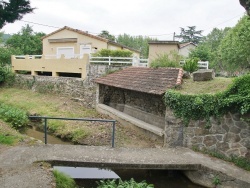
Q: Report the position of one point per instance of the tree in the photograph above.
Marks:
(136, 42)
(13, 10)
(234, 51)
(246, 5)
(105, 34)
(190, 35)
(207, 49)
(26, 41)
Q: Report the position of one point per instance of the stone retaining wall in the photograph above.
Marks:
(76, 88)
(228, 135)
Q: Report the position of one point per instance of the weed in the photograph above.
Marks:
(63, 180)
(216, 181)
(7, 139)
(123, 184)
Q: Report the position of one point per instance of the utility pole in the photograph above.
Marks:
(174, 37)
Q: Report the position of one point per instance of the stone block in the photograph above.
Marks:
(231, 138)
(245, 133)
(222, 146)
(241, 124)
(235, 152)
(246, 142)
(234, 129)
(209, 140)
(203, 75)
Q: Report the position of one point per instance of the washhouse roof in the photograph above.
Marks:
(142, 79)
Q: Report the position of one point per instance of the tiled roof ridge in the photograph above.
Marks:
(179, 77)
(75, 30)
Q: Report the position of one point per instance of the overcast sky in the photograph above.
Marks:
(154, 18)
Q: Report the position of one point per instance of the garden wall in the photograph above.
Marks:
(229, 135)
(76, 88)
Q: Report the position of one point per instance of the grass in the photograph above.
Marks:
(90, 133)
(205, 87)
(9, 136)
(63, 180)
(241, 162)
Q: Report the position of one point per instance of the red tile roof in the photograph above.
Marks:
(146, 80)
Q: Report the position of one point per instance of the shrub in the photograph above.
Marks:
(113, 53)
(16, 117)
(123, 184)
(63, 180)
(166, 60)
(6, 75)
(202, 106)
(191, 65)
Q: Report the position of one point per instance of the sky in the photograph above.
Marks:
(154, 18)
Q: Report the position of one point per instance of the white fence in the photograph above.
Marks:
(134, 61)
(201, 64)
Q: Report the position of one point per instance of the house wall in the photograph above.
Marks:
(55, 66)
(157, 49)
(186, 50)
(146, 107)
(50, 48)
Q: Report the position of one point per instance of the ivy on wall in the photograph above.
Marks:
(202, 106)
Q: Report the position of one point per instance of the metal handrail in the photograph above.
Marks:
(75, 119)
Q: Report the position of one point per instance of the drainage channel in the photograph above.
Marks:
(88, 176)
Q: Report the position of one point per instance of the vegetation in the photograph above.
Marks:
(26, 42)
(241, 162)
(63, 180)
(166, 60)
(190, 35)
(12, 10)
(246, 5)
(90, 133)
(123, 184)
(9, 136)
(105, 34)
(113, 53)
(15, 116)
(203, 106)
(234, 48)
(136, 42)
(191, 65)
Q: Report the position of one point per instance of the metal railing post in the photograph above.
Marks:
(45, 130)
(113, 135)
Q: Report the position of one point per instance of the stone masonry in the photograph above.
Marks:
(229, 135)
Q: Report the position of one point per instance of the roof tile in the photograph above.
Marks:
(146, 80)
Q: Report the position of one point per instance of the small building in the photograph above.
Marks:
(135, 96)
(72, 42)
(161, 47)
(157, 48)
(185, 48)
(65, 53)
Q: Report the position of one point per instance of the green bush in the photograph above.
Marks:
(7, 139)
(63, 180)
(6, 75)
(16, 117)
(113, 53)
(166, 60)
(123, 184)
(202, 106)
(191, 65)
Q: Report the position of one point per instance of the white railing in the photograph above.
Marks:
(29, 56)
(201, 64)
(131, 61)
(134, 61)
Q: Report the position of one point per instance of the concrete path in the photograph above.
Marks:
(17, 168)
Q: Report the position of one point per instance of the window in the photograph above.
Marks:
(68, 52)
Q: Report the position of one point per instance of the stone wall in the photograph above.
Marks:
(146, 107)
(228, 135)
(76, 88)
